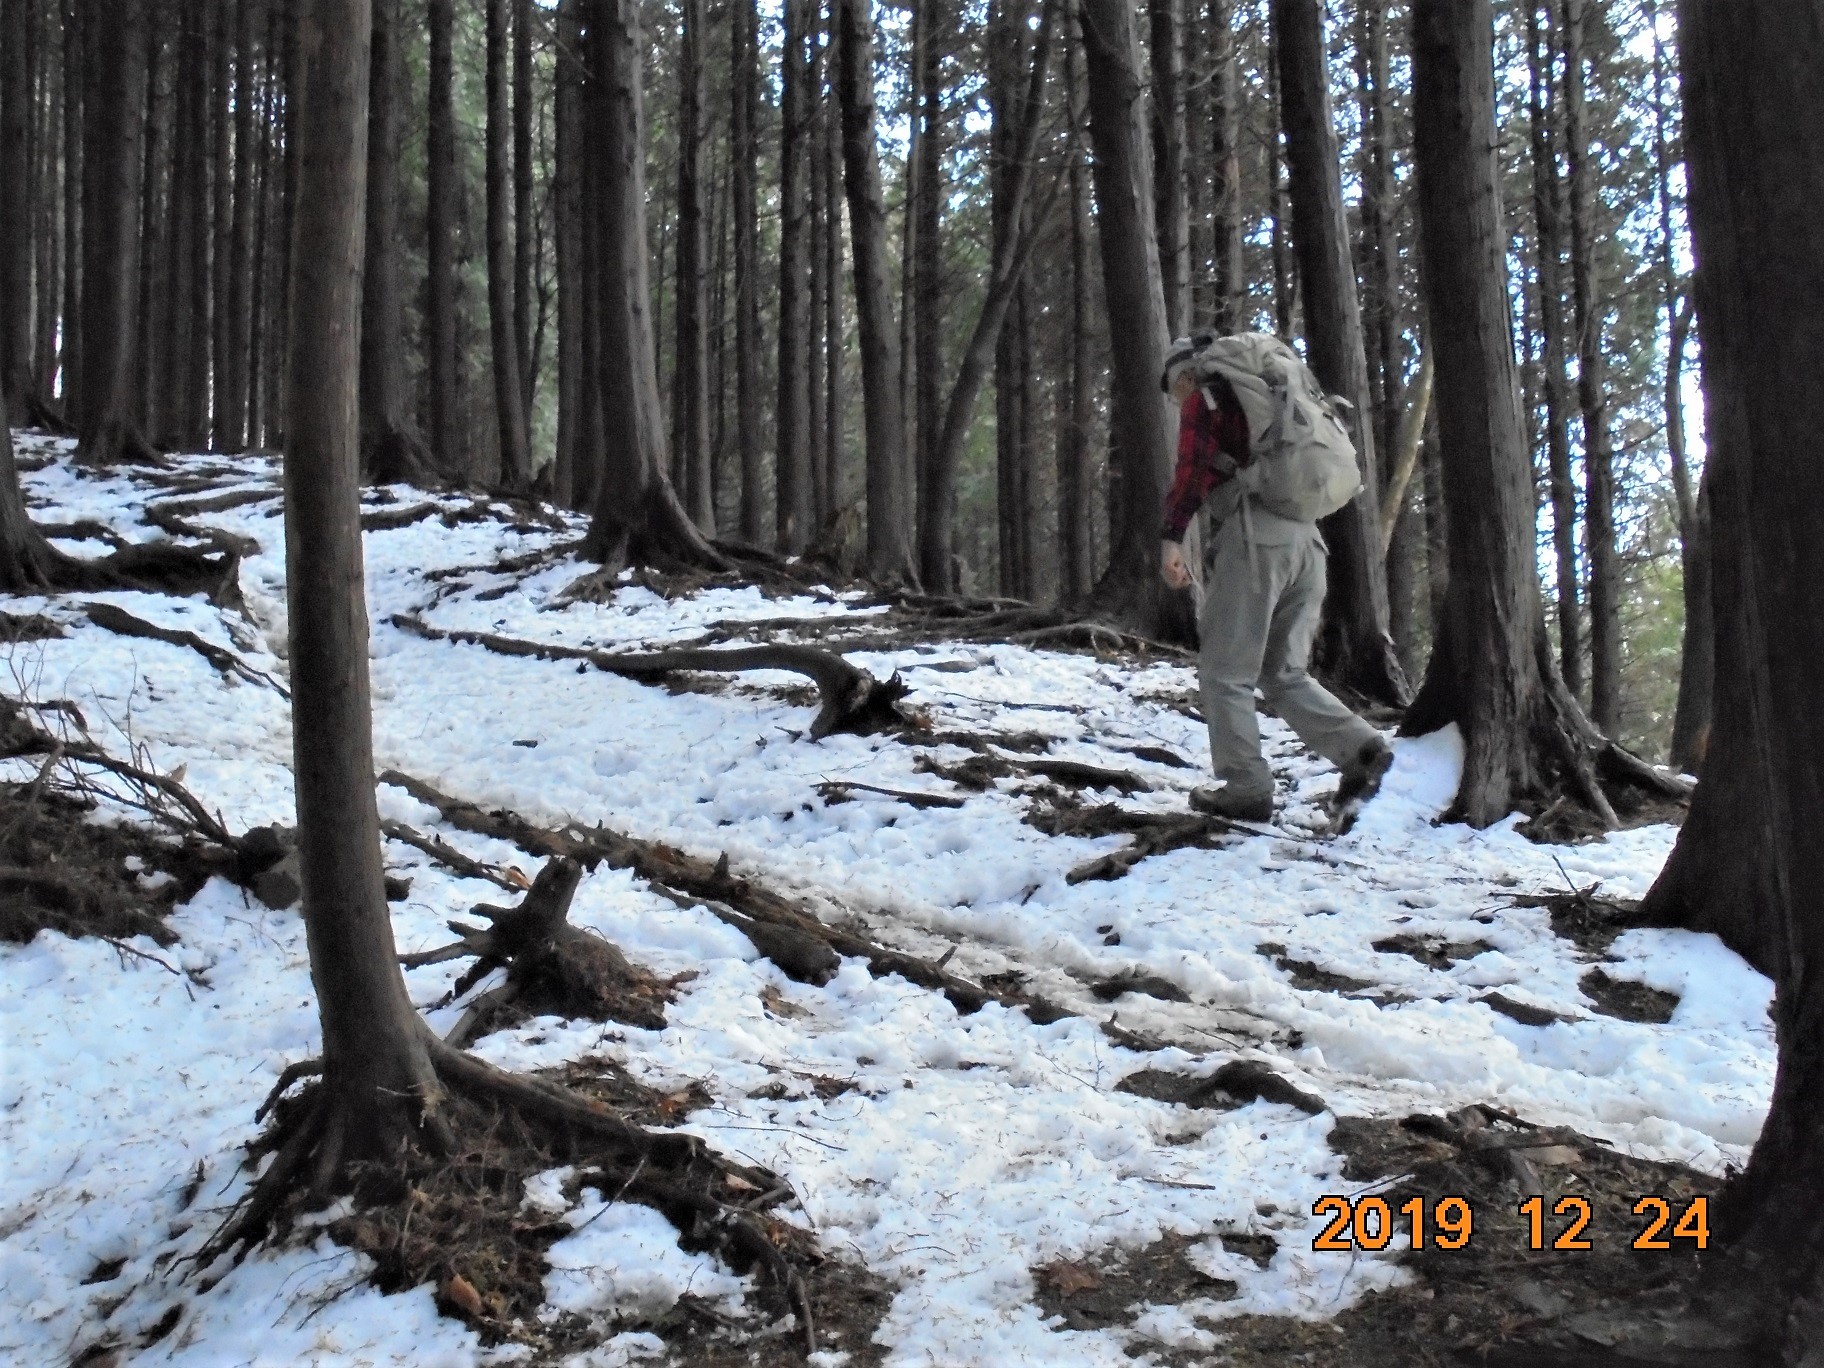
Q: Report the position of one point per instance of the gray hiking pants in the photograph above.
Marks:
(1260, 614)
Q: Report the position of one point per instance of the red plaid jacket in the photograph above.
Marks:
(1211, 447)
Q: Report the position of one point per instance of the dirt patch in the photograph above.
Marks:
(1432, 951)
(1093, 1295)
(1523, 1012)
(1306, 974)
(1626, 1000)
(17, 627)
(1466, 1305)
(1235, 1084)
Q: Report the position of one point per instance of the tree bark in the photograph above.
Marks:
(447, 447)
(690, 378)
(744, 134)
(525, 217)
(113, 167)
(1285, 279)
(832, 248)
(1353, 642)
(1171, 206)
(638, 518)
(1755, 123)
(221, 214)
(390, 449)
(818, 227)
(509, 391)
(1491, 670)
(69, 360)
(1076, 540)
(153, 359)
(572, 311)
(1140, 422)
(936, 502)
(20, 203)
(888, 501)
(1588, 317)
(376, 1068)
(1006, 50)
(1549, 269)
(792, 521)
(1225, 159)
(1691, 719)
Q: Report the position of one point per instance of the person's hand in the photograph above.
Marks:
(1172, 566)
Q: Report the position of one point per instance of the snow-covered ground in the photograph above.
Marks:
(971, 1150)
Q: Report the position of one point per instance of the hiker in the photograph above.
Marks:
(1255, 431)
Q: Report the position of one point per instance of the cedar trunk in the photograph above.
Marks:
(1755, 124)
(509, 390)
(1171, 207)
(792, 510)
(1587, 316)
(637, 518)
(390, 450)
(19, 204)
(1225, 160)
(376, 1067)
(1140, 421)
(1353, 643)
(1491, 670)
(690, 379)
(888, 496)
(440, 256)
(744, 134)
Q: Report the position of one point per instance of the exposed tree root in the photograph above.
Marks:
(693, 882)
(552, 967)
(226, 662)
(979, 772)
(460, 1165)
(839, 790)
(853, 700)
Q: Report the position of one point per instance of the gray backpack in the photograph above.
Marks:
(1304, 465)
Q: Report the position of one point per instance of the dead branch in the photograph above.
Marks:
(447, 855)
(853, 700)
(693, 881)
(226, 662)
(838, 791)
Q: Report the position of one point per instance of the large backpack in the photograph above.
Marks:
(1304, 464)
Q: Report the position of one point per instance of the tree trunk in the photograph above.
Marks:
(1598, 456)
(1755, 123)
(1171, 208)
(1491, 669)
(1076, 542)
(792, 522)
(376, 1068)
(1285, 281)
(525, 218)
(832, 265)
(690, 379)
(113, 162)
(69, 360)
(235, 300)
(889, 504)
(1140, 422)
(744, 134)
(572, 311)
(447, 447)
(936, 502)
(151, 348)
(509, 390)
(1006, 48)
(821, 282)
(638, 518)
(390, 450)
(1549, 266)
(1353, 644)
(183, 345)
(221, 213)
(1691, 720)
(16, 213)
(1225, 160)
(49, 260)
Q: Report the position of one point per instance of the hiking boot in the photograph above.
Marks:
(1362, 777)
(1226, 801)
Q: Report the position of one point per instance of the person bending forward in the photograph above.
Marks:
(1260, 612)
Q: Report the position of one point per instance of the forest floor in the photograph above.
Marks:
(1242, 1022)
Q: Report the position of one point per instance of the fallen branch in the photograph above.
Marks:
(227, 663)
(853, 700)
(447, 855)
(838, 790)
(692, 881)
